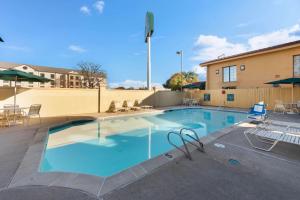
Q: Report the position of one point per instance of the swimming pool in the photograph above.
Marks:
(106, 147)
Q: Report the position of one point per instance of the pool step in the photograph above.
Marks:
(197, 143)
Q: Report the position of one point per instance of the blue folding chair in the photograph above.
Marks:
(258, 112)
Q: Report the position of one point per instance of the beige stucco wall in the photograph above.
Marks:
(260, 68)
(245, 98)
(65, 101)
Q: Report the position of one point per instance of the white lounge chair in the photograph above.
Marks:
(147, 107)
(270, 135)
(131, 106)
(34, 111)
(142, 106)
(118, 106)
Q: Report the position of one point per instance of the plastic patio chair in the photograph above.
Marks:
(279, 106)
(12, 113)
(258, 112)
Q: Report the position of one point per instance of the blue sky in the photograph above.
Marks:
(62, 33)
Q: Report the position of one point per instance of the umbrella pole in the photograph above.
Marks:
(15, 100)
(292, 93)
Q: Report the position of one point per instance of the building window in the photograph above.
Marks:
(230, 97)
(229, 74)
(217, 71)
(71, 84)
(297, 65)
(77, 78)
(206, 97)
(25, 68)
(52, 76)
(71, 77)
(77, 83)
(52, 83)
(42, 74)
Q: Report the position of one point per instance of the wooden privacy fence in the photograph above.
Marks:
(244, 98)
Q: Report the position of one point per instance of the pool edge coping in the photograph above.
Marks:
(28, 173)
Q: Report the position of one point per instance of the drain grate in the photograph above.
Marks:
(222, 146)
(233, 162)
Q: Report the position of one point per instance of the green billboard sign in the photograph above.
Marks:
(149, 28)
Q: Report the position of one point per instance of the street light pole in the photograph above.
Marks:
(181, 64)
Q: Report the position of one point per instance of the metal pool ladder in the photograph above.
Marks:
(185, 150)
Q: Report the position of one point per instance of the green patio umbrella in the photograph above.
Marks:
(16, 75)
(292, 81)
(196, 85)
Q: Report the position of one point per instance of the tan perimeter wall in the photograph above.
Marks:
(63, 101)
(245, 98)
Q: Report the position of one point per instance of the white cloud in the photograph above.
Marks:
(246, 35)
(17, 48)
(139, 53)
(99, 6)
(243, 24)
(136, 34)
(201, 71)
(210, 46)
(274, 38)
(77, 49)
(85, 10)
(134, 84)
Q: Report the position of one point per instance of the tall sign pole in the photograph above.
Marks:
(149, 29)
(149, 64)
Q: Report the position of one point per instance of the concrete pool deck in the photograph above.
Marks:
(189, 176)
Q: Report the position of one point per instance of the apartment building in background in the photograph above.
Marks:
(254, 68)
(60, 77)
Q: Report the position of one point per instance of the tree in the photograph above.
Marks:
(175, 81)
(92, 74)
(120, 88)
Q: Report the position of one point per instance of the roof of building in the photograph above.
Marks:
(250, 53)
(8, 65)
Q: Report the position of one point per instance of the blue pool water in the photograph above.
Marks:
(106, 147)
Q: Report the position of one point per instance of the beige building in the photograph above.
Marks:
(254, 68)
(60, 77)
